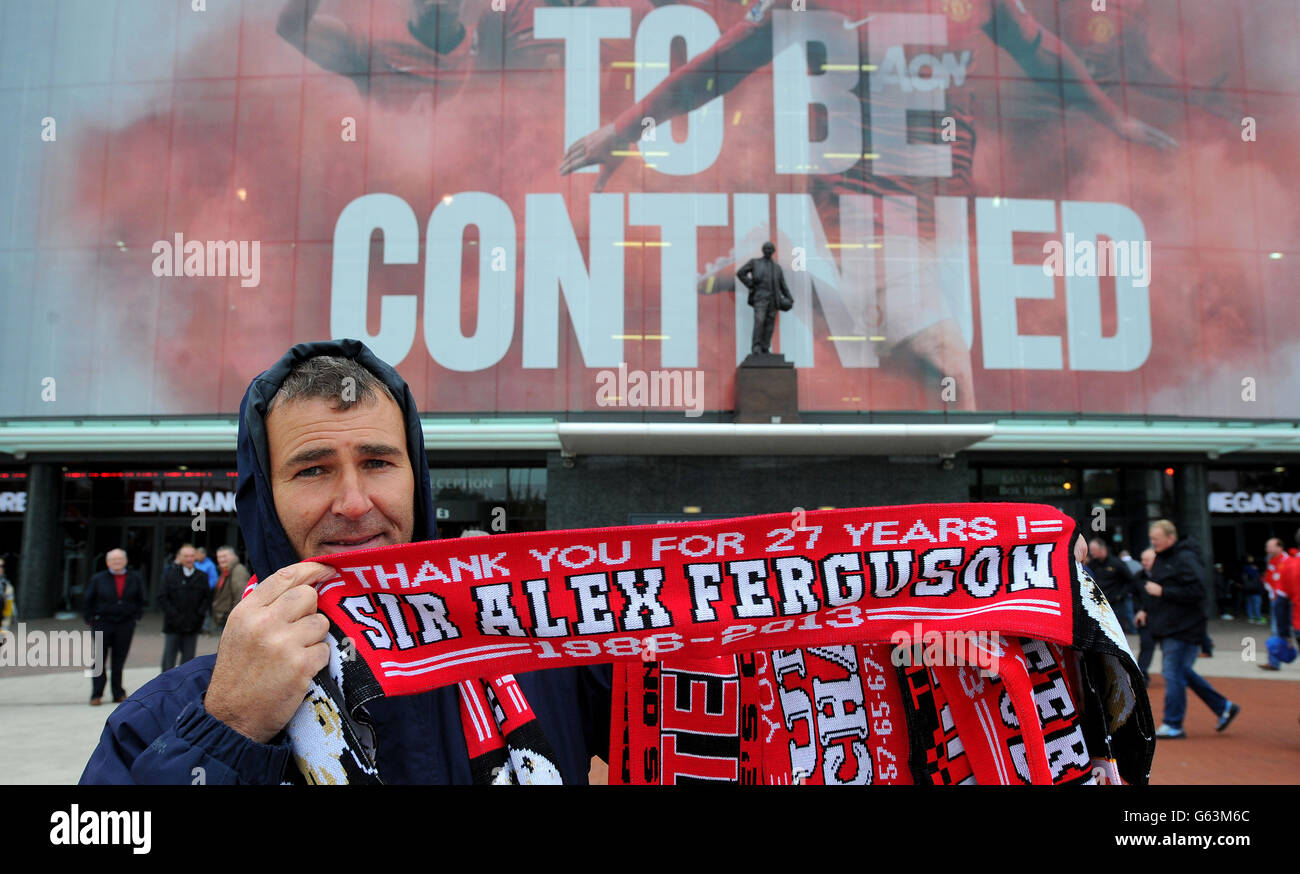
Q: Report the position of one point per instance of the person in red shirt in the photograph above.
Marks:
(1273, 574)
(1284, 581)
(114, 604)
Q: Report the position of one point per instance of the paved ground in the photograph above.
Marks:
(47, 729)
(1262, 745)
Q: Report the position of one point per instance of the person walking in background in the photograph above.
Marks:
(1286, 599)
(1252, 590)
(1116, 580)
(1222, 592)
(231, 583)
(5, 600)
(1146, 643)
(1175, 605)
(1130, 562)
(6, 607)
(184, 601)
(1272, 576)
(203, 563)
(114, 604)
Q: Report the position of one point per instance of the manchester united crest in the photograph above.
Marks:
(1101, 29)
(957, 10)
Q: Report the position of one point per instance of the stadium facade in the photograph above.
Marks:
(152, 486)
(1069, 282)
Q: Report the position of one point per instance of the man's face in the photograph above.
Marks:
(186, 556)
(225, 558)
(1273, 547)
(1097, 550)
(116, 561)
(1160, 541)
(1148, 558)
(341, 479)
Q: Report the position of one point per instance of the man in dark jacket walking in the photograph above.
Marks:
(1176, 612)
(766, 284)
(184, 601)
(1116, 581)
(113, 605)
(331, 458)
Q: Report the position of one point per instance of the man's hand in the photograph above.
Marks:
(1138, 131)
(596, 147)
(1140, 618)
(1154, 589)
(274, 643)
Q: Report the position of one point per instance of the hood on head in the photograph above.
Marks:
(264, 537)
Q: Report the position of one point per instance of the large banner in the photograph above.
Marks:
(531, 206)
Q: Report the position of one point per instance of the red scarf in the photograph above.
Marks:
(774, 634)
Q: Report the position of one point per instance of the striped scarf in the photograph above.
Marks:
(943, 643)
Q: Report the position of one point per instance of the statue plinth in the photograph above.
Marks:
(767, 390)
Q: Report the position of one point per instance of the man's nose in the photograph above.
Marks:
(351, 500)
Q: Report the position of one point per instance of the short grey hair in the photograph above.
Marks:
(1166, 526)
(342, 381)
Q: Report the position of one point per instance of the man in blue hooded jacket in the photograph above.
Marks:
(331, 459)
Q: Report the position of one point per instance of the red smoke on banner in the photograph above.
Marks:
(244, 144)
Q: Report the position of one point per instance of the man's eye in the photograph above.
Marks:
(309, 472)
(379, 462)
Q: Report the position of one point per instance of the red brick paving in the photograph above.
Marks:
(1262, 746)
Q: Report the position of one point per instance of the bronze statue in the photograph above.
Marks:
(767, 293)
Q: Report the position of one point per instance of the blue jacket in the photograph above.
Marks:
(210, 569)
(162, 734)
